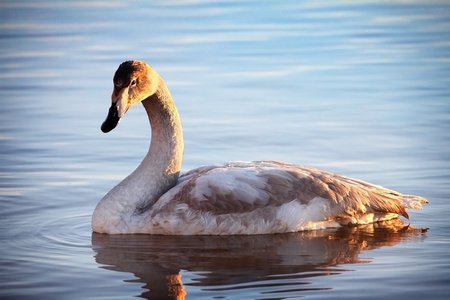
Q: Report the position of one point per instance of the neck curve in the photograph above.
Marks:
(162, 164)
(119, 210)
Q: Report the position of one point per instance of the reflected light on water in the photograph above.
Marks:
(282, 264)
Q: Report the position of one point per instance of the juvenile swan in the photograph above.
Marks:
(258, 197)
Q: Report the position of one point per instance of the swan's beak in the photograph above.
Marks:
(112, 119)
(119, 106)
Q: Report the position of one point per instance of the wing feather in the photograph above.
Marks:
(243, 187)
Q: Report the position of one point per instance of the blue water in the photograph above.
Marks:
(358, 89)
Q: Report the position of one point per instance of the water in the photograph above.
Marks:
(357, 89)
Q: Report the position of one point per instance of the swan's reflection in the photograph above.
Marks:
(156, 261)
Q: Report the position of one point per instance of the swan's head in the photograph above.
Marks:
(134, 81)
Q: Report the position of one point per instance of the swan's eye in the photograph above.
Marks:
(133, 83)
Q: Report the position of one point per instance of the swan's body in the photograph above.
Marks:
(234, 198)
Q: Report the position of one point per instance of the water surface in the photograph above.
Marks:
(357, 89)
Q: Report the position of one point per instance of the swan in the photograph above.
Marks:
(260, 197)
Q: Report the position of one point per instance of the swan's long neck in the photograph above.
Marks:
(161, 166)
(157, 173)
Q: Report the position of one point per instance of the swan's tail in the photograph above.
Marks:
(413, 202)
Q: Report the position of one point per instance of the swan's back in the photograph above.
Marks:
(270, 197)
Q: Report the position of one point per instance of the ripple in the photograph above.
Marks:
(34, 236)
(68, 230)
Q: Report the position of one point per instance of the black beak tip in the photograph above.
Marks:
(112, 119)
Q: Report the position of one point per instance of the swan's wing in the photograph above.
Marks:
(243, 187)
